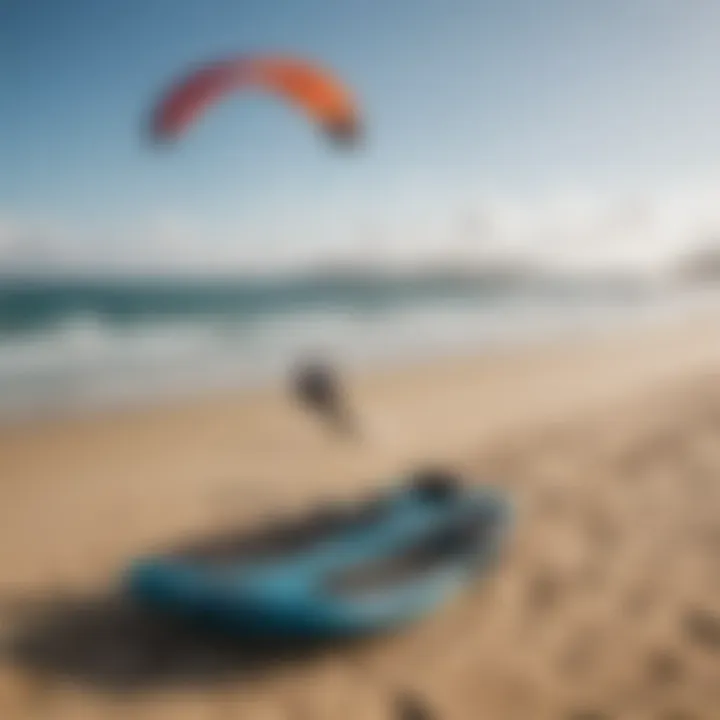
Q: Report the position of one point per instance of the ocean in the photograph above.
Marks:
(72, 344)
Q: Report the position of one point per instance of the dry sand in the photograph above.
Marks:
(607, 604)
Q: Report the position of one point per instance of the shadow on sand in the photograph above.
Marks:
(112, 644)
(109, 645)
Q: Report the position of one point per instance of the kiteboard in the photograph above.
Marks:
(358, 569)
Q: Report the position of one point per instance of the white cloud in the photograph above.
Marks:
(586, 229)
(571, 227)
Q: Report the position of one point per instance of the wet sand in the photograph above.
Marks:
(606, 605)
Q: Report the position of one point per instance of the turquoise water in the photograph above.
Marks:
(67, 343)
(28, 305)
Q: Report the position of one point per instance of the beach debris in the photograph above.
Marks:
(703, 627)
(588, 715)
(408, 706)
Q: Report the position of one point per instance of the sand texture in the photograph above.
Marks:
(606, 604)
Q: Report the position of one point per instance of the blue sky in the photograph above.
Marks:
(528, 116)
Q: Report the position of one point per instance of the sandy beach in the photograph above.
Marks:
(606, 605)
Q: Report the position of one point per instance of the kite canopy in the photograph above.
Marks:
(314, 90)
